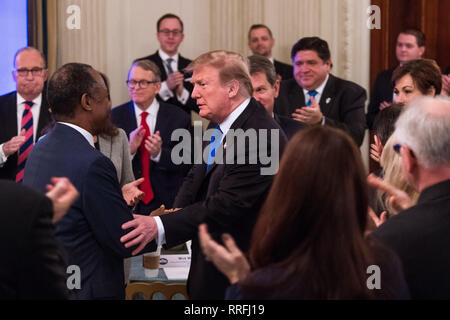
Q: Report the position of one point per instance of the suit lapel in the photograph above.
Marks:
(326, 100)
(297, 97)
(10, 122)
(160, 64)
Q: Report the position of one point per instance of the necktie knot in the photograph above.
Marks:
(28, 104)
(144, 116)
(169, 65)
(312, 93)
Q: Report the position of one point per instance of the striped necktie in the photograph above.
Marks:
(169, 65)
(25, 149)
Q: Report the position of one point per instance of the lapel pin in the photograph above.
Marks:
(328, 100)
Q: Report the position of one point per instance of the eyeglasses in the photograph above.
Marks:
(23, 72)
(397, 148)
(142, 83)
(167, 32)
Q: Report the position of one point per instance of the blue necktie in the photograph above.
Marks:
(213, 145)
(311, 93)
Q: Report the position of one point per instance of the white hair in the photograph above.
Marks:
(424, 126)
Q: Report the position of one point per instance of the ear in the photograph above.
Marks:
(45, 75)
(408, 159)
(233, 88)
(85, 102)
(157, 88)
(431, 91)
(276, 86)
(421, 50)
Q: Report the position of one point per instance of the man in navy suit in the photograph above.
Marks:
(91, 230)
(228, 193)
(315, 96)
(261, 41)
(266, 86)
(164, 177)
(30, 73)
(176, 88)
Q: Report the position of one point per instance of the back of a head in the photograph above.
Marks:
(260, 64)
(231, 66)
(384, 123)
(315, 205)
(66, 87)
(424, 127)
(312, 43)
(425, 73)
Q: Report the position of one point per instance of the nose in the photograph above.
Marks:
(194, 94)
(400, 98)
(29, 75)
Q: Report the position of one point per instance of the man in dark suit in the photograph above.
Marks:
(420, 235)
(228, 191)
(164, 178)
(26, 108)
(410, 46)
(315, 96)
(261, 41)
(176, 88)
(91, 230)
(266, 86)
(33, 264)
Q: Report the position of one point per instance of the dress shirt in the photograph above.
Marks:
(318, 95)
(35, 111)
(165, 93)
(152, 111)
(224, 126)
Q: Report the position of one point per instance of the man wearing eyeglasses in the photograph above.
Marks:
(149, 125)
(23, 113)
(175, 86)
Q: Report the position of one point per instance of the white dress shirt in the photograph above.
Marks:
(152, 111)
(318, 95)
(224, 126)
(165, 93)
(35, 111)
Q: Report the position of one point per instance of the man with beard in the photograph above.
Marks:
(91, 229)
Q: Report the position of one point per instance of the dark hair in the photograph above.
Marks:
(66, 87)
(424, 72)
(261, 64)
(312, 43)
(419, 35)
(168, 16)
(148, 66)
(312, 223)
(259, 26)
(384, 124)
(109, 128)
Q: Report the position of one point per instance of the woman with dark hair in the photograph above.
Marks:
(416, 78)
(308, 241)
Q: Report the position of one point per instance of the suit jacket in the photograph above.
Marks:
(191, 104)
(227, 197)
(8, 128)
(33, 264)
(289, 126)
(420, 236)
(165, 177)
(91, 230)
(342, 104)
(286, 71)
(383, 90)
(117, 149)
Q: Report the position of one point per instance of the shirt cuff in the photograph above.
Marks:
(161, 232)
(165, 93)
(184, 97)
(156, 159)
(3, 157)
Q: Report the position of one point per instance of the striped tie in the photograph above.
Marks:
(25, 149)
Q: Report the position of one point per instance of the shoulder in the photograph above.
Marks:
(153, 57)
(123, 108)
(7, 99)
(289, 85)
(173, 111)
(341, 84)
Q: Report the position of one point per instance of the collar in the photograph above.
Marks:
(318, 89)
(152, 109)
(271, 60)
(228, 122)
(164, 56)
(86, 134)
(436, 191)
(37, 101)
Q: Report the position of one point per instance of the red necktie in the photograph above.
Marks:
(145, 162)
(25, 149)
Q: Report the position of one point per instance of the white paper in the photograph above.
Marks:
(176, 273)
